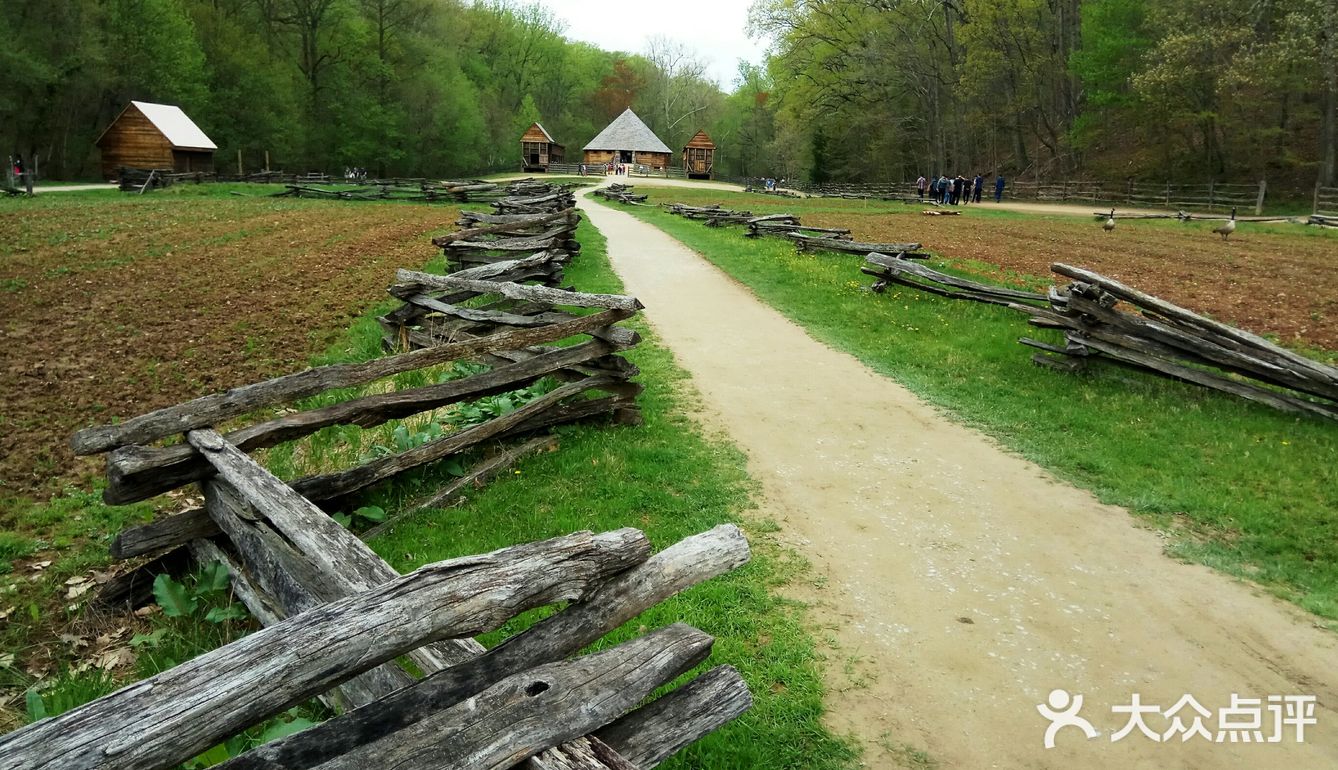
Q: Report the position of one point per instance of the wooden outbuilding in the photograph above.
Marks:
(537, 149)
(628, 140)
(155, 136)
(699, 156)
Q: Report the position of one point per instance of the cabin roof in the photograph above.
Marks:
(700, 139)
(179, 130)
(529, 132)
(627, 132)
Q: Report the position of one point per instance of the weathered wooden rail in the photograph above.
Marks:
(1155, 336)
(337, 618)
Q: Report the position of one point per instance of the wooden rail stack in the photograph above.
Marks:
(782, 224)
(1170, 341)
(890, 269)
(713, 215)
(811, 243)
(338, 619)
(621, 193)
(491, 238)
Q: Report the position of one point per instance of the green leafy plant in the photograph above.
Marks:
(182, 600)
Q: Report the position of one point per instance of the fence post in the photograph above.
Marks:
(1315, 208)
(1211, 184)
(1259, 202)
(1168, 193)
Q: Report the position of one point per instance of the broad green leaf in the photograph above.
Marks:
(343, 518)
(212, 579)
(36, 706)
(172, 597)
(371, 513)
(284, 729)
(224, 614)
(150, 640)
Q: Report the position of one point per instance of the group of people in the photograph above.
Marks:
(351, 174)
(769, 183)
(616, 169)
(954, 191)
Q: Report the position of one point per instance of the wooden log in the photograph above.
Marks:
(653, 733)
(166, 532)
(668, 572)
(532, 710)
(1315, 369)
(805, 242)
(168, 718)
(299, 555)
(585, 753)
(1198, 348)
(522, 292)
(476, 476)
(176, 530)
(899, 266)
(1128, 352)
(505, 244)
(212, 409)
(342, 483)
(138, 472)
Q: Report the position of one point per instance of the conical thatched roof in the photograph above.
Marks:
(627, 132)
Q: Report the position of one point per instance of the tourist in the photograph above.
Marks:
(998, 188)
(920, 188)
(979, 186)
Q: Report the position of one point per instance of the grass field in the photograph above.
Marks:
(664, 477)
(1237, 486)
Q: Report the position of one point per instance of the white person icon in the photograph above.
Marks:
(1062, 711)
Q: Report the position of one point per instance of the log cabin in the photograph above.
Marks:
(154, 136)
(537, 149)
(628, 140)
(699, 156)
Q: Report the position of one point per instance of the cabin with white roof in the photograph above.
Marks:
(155, 136)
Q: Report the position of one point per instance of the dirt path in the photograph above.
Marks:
(961, 583)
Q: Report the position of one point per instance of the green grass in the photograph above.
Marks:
(1240, 487)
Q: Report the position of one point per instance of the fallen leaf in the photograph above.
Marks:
(40, 565)
(76, 580)
(121, 656)
(6, 612)
(6, 660)
(78, 590)
(74, 641)
(147, 610)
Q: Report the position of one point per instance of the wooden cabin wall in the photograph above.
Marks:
(192, 161)
(133, 141)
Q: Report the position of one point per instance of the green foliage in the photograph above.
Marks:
(182, 600)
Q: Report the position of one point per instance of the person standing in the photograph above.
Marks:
(998, 188)
(920, 188)
(980, 186)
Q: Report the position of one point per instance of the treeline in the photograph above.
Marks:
(1189, 90)
(399, 87)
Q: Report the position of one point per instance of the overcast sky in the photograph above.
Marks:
(714, 28)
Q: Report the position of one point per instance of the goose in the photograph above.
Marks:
(1227, 229)
(1110, 222)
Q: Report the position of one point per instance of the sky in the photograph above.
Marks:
(715, 29)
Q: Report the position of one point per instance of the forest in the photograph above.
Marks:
(1180, 90)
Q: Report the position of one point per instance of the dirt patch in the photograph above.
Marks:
(959, 583)
(1266, 282)
(112, 309)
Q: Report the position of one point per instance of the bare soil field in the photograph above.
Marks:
(111, 310)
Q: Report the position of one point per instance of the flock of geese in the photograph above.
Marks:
(1225, 230)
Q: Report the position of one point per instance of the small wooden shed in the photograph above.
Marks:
(537, 149)
(630, 141)
(699, 156)
(155, 136)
